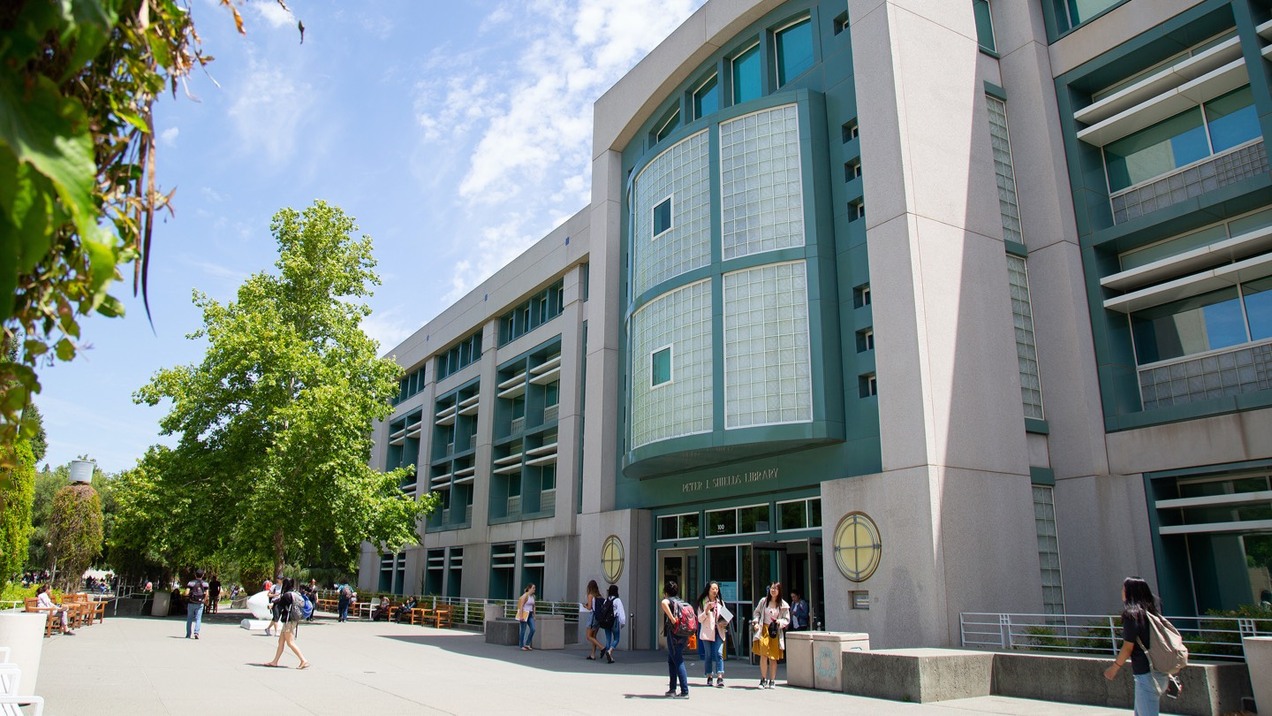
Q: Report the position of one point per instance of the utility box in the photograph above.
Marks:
(828, 648)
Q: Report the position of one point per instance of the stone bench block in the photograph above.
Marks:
(918, 675)
(503, 631)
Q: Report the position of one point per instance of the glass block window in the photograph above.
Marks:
(746, 75)
(706, 99)
(766, 346)
(1008, 205)
(1026, 350)
(794, 50)
(984, 25)
(761, 200)
(1048, 549)
(681, 319)
(684, 241)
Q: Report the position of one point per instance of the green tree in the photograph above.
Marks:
(47, 483)
(78, 192)
(75, 529)
(140, 543)
(271, 463)
(17, 492)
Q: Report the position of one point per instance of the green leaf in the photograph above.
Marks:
(111, 307)
(159, 47)
(65, 349)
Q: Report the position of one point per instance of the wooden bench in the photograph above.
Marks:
(52, 621)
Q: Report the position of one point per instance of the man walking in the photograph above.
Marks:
(197, 597)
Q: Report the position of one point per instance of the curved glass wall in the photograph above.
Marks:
(761, 194)
(671, 377)
(672, 213)
(767, 374)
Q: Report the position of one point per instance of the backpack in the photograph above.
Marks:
(1166, 650)
(198, 588)
(308, 609)
(686, 622)
(606, 614)
(346, 592)
(296, 610)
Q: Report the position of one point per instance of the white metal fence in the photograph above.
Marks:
(1206, 637)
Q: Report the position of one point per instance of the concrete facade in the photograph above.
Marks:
(948, 403)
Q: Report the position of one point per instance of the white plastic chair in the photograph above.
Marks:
(10, 703)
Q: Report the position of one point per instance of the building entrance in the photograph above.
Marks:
(682, 566)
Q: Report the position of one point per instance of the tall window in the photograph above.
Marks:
(662, 217)
(794, 45)
(1008, 203)
(746, 75)
(984, 25)
(660, 366)
(706, 99)
(1026, 350)
(667, 125)
(1048, 549)
(1071, 13)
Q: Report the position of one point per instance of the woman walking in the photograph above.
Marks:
(712, 630)
(620, 619)
(289, 619)
(1137, 602)
(771, 617)
(593, 603)
(675, 644)
(525, 615)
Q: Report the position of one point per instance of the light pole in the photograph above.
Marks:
(53, 577)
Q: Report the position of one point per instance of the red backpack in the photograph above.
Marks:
(686, 622)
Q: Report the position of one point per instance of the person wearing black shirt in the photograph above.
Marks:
(1137, 602)
(287, 632)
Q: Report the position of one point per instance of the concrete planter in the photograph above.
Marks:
(159, 608)
(23, 633)
(1258, 653)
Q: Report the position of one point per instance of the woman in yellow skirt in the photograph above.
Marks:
(768, 627)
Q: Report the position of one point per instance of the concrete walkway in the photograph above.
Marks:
(145, 665)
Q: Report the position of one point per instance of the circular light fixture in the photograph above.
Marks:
(612, 558)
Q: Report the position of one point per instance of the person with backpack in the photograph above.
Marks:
(713, 622)
(290, 606)
(680, 620)
(768, 625)
(196, 599)
(593, 603)
(1141, 621)
(611, 617)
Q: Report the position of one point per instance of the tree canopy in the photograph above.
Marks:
(273, 424)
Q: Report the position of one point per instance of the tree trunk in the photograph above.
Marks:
(278, 552)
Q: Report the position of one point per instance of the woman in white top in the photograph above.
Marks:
(620, 620)
(711, 633)
(525, 615)
(769, 622)
(45, 603)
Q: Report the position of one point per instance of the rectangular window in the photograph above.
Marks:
(1071, 13)
(852, 170)
(1000, 139)
(867, 385)
(1048, 549)
(747, 75)
(660, 366)
(1026, 349)
(984, 25)
(1258, 305)
(753, 520)
(794, 50)
(1232, 119)
(668, 125)
(792, 515)
(856, 209)
(849, 131)
(840, 23)
(1193, 325)
(722, 522)
(706, 99)
(861, 296)
(865, 340)
(662, 217)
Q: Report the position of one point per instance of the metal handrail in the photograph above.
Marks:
(1207, 637)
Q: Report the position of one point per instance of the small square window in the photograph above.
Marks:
(861, 296)
(849, 131)
(856, 210)
(660, 366)
(865, 340)
(867, 385)
(841, 22)
(662, 217)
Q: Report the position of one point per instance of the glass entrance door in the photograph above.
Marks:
(682, 566)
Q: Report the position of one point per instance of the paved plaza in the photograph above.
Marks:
(143, 665)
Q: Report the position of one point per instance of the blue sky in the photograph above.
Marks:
(456, 133)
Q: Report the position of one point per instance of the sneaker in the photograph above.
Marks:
(670, 693)
(609, 656)
(772, 684)
(720, 682)
(763, 683)
(682, 695)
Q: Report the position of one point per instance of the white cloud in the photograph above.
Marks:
(268, 109)
(273, 13)
(389, 327)
(168, 137)
(529, 115)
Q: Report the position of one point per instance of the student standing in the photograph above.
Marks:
(712, 633)
(771, 617)
(799, 613)
(593, 602)
(675, 644)
(620, 619)
(214, 595)
(342, 606)
(525, 615)
(1137, 602)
